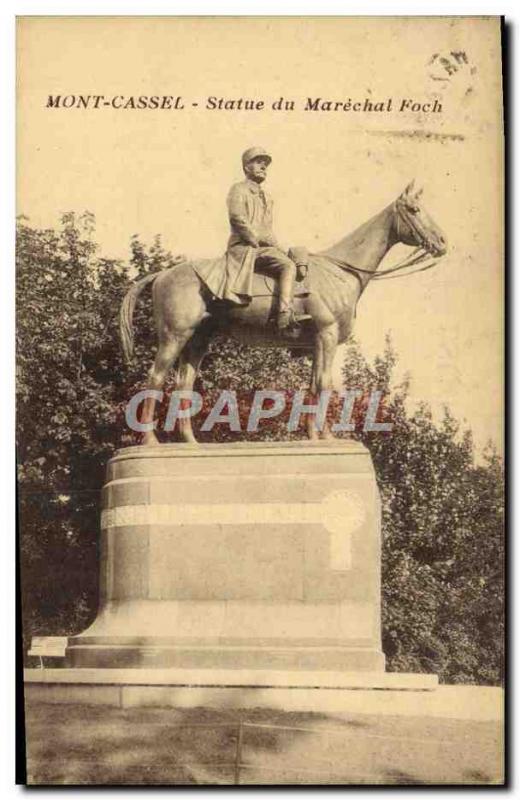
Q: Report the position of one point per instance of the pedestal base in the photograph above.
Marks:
(118, 652)
(245, 556)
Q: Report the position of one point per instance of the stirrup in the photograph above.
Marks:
(294, 319)
(286, 319)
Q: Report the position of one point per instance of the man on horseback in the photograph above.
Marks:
(191, 295)
(250, 210)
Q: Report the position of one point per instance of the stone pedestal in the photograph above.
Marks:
(245, 556)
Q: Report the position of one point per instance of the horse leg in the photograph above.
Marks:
(330, 344)
(168, 352)
(189, 363)
(326, 344)
(179, 309)
(317, 369)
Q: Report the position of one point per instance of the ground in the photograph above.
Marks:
(80, 744)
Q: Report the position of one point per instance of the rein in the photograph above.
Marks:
(418, 256)
(413, 262)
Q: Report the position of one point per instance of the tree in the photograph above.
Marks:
(443, 546)
(71, 388)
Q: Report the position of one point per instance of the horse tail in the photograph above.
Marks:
(126, 313)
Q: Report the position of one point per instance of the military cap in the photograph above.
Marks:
(255, 152)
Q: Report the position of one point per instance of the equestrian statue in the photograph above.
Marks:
(263, 295)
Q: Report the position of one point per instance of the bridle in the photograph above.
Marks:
(412, 260)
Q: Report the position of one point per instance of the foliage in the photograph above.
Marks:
(71, 389)
(443, 548)
(442, 514)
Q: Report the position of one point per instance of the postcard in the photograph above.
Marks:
(260, 399)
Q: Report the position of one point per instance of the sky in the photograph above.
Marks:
(152, 171)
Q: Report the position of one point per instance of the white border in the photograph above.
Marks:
(259, 8)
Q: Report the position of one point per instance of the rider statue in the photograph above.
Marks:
(250, 210)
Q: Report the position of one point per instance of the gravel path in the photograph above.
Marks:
(78, 745)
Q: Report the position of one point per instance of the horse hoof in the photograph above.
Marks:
(327, 436)
(150, 440)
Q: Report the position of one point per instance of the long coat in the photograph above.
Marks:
(250, 211)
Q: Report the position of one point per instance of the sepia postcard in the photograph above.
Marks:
(260, 400)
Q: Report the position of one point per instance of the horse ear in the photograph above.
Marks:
(406, 191)
(419, 193)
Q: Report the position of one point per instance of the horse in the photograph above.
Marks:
(187, 315)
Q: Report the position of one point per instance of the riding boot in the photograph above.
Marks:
(286, 319)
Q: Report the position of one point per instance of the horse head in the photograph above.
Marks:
(414, 226)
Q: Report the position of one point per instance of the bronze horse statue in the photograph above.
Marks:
(187, 315)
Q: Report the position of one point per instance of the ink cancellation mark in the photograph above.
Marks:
(443, 67)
